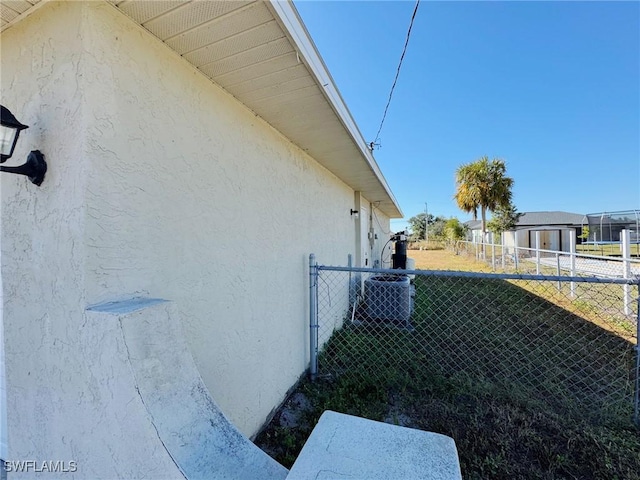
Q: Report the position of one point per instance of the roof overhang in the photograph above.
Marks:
(260, 52)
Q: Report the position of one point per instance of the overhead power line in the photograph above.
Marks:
(395, 80)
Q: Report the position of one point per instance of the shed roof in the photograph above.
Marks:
(261, 53)
(550, 218)
(473, 224)
(536, 219)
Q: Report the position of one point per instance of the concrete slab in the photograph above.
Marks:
(344, 446)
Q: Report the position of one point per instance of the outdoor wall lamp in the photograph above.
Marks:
(354, 212)
(10, 128)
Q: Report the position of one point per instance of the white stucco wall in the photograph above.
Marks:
(3, 384)
(509, 239)
(193, 198)
(50, 396)
(159, 184)
(381, 249)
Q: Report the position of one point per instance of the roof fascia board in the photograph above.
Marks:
(288, 16)
(546, 227)
(285, 12)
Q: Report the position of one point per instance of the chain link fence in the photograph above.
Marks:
(567, 342)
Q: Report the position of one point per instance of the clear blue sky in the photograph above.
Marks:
(552, 88)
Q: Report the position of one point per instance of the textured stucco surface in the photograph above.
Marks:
(190, 197)
(187, 424)
(160, 184)
(53, 398)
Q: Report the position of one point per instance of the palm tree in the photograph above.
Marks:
(483, 184)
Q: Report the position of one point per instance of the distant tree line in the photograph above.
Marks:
(441, 229)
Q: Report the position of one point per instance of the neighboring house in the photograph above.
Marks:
(474, 230)
(554, 228)
(197, 152)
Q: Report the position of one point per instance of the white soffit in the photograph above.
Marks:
(12, 11)
(261, 53)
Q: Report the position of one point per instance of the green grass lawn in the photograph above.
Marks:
(526, 388)
(611, 250)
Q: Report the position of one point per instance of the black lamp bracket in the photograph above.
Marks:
(34, 168)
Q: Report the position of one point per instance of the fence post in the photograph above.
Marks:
(493, 253)
(352, 286)
(537, 252)
(558, 270)
(625, 237)
(515, 249)
(313, 317)
(636, 411)
(572, 260)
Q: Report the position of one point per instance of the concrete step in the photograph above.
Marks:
(343, 446)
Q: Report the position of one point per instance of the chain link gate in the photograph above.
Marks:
(562, 340)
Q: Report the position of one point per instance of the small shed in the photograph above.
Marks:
(554, 228)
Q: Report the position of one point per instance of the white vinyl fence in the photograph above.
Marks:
(560, 263)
